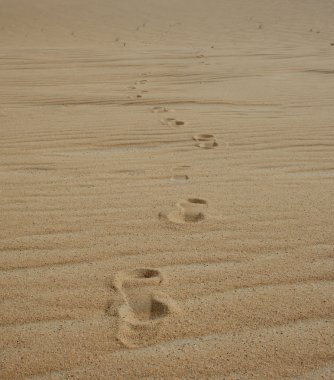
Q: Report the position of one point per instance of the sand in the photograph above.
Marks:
(167, 189)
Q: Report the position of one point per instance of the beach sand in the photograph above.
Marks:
(167, 189)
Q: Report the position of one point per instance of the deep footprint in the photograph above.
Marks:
(142, 312)
(138, 328)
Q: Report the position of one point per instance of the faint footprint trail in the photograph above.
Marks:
(192, 210)
(205, 141)
(144, 310)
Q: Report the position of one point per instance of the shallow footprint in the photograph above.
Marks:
(159, 109)
(192, 210)
(180, 177)
(205, 141)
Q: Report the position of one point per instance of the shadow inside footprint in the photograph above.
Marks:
(136, 277)
(144, 273)
(159, 309)
(203, 137)
(146, 307)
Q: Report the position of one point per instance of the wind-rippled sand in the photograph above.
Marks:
(167, 189)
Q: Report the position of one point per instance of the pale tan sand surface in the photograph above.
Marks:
(166, 189)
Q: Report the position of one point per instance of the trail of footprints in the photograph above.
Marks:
(142, 310)
(192, 209)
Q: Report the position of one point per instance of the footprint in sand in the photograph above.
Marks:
(159, 109)
(192, 210)
(179, 174)
(141, 81)
(177, 177)
(171, 122)
(205, 141)
(144, 310)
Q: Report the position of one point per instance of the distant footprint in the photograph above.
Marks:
(141, 81)
(205, 141)
(192, 210)
(179, 175)
(159, 109)
(172, 122)
(143, 311)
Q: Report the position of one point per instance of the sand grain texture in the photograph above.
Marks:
(167, 189)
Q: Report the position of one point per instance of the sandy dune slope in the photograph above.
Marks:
(167, 189)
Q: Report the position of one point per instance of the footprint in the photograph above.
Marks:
(192, 210)
(159, 109)
(205, 141)
(172, 122)
(143, 311)
(180, 177)
(141, 81)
